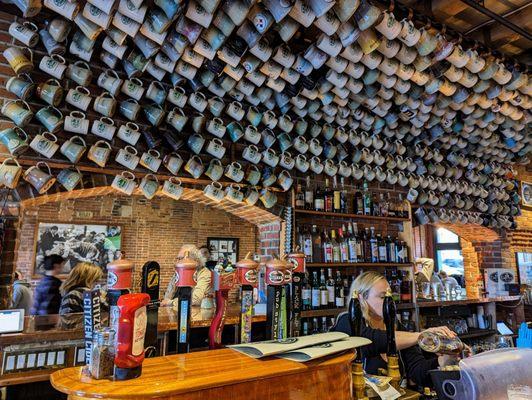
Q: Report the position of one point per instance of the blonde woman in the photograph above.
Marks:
(371, 288)
(83, 277)
(202, 276)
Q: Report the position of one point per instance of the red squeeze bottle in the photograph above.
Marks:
(130, 336)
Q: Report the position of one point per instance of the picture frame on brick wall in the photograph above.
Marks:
(94, 243)
(223, 249)
(524, 267)
(526, 195)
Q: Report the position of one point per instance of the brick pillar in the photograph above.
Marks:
(7, 261)
(471, 268)
(269, 238)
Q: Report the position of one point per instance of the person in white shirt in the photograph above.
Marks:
(202, 276)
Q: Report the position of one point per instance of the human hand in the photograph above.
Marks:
(442, 330)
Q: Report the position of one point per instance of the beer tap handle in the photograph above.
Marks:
(389, 312)
(355, 318)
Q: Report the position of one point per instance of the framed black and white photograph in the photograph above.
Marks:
(526, 194)
(524, 268)
(97, 244)
(223, 249)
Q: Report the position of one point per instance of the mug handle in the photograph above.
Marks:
(25, 103)
(129, 124)
(150, 176)
(154, 151)
(78, 137)
(112, 72)
(112, 123)
(135, 80)
(58, 112)
(61, 58)
(83, 89)
(175, 180)
(30, 52)
(46, 165)
(18, 128)
(126, 149)
(79, 62)
(107, 94)
(125, 173)
(50, 134)
(55, 81)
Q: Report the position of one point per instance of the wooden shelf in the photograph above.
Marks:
(405, 306)
(325, 312)
(350, 216)
(360, 265)
(477, 333)
(445, 303)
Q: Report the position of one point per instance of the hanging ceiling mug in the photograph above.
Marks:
(9, 173)
(38, 177)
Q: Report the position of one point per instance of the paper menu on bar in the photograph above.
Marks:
(324, 349)
(272, 347)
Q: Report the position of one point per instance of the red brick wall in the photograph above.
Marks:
(153, 230)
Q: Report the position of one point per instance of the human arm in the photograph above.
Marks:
(203, 286)
(17, 295)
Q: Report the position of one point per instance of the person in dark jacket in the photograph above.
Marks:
(47, 297)
(371, 288)
(82, 278)
(22, 296)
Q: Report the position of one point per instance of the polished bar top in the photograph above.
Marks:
(70, 327)
(181, 374)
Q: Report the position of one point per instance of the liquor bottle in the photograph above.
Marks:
(358, 243)
(392, 206)
(319, 200)
(306, 294)
(328, 196)
(300, 197)
(330, 288)
(317, 253)
(344, 250)
(374, 246)
(324, 293)
(343, 197)
(305, 328)
(327, 248)
(347, 295)
(299, 236)
(307, 245)
(367, 200)
(339, 298)
(381, 244)
(358, 202)
(375, 211)
(323, 325)
(351, 245)
(404, 206)
(315, 328)
(390, 250)
(408, 324)
(336, 256)
(315, 291)
(367, 245)
(309, 195)
(337, 200)
(384, 206)
(395, 285)
(398, 251)
(406, 287)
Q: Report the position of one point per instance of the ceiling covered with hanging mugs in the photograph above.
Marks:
(351, 87)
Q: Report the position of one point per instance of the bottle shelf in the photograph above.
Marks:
(322, 312)
(333, 312)
(475, 333)
(361, 265)
(351, 216)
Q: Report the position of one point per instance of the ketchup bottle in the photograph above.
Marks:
(130, 337)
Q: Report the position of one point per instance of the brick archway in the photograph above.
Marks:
(253, 214)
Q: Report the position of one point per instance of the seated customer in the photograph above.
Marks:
(47, 297)
(202, 276)
(22, 296)
(371, 288)
(83, 277)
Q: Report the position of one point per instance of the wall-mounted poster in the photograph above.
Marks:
(97, 244)
(524, 268)
(223, 249)
(526, 194)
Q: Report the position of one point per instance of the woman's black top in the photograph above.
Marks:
(412, 362)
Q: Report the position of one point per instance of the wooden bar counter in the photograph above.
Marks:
(218, 375)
